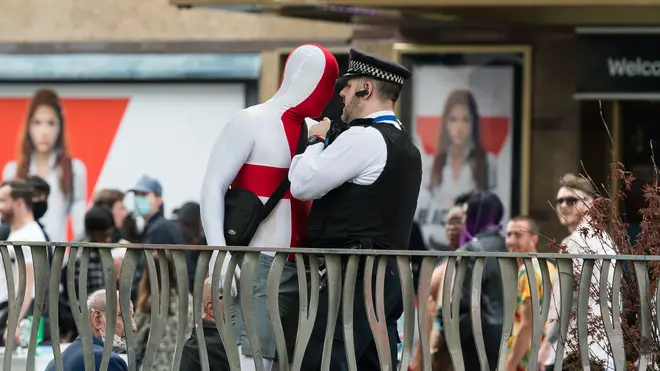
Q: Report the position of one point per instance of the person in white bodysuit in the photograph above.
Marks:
(253, 152)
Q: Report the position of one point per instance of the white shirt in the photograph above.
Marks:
(60, 207)
(579, 243)
(30, 232)
(357, 156)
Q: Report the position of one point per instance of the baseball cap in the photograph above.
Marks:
(147, 184)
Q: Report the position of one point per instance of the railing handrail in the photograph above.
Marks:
(324, 251)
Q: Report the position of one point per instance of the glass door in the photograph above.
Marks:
(640, 125)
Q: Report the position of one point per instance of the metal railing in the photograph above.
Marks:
(342, 267)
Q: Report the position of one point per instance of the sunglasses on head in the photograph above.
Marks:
(570, 201)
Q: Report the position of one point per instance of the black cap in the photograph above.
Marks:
(366, 65)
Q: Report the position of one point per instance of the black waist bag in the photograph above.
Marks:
(244, 211)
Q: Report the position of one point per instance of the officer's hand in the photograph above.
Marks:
(321, 128)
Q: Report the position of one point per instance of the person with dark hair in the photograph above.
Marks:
(460, 164)
(148, 205)
(190, 220)
(481, 233)
(113, 199)
(462, 199)
(44, 151)
(16, 210)
(41, 194)
(522, 236)
(453, 224)
(99, 225)
(39, 205)
(164, 356)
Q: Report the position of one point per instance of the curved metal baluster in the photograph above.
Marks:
(249, 266)
(612, 325)
(41, 274)
(227, 283)
(180, 265)
(451, 299)
(534, 295)
(450, 328)
(248, 269)
(377, 320)
(333, 266)
(643, 287)
(540, 317)
(408, 293)
(53, 304)
(165, 290)
(657, 303)
(308, 310)
(583, 312)
(509, 272)
(198, 289)
(158, 313)
(565, 272)
(126, 274)
(107, 262)
(223, 320)
(78, 310)
(475, 312)
(13, 306)
(348, 296)
(424, 291)
(273, 306)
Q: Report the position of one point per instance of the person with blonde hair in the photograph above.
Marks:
(574, 200)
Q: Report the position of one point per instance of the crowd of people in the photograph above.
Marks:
(324, 187)
(107, 220)
(476, 223)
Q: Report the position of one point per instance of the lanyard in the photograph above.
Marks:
(385, 118)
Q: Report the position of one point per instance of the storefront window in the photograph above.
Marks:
(640, 127)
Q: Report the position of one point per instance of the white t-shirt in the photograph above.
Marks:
(30, 232)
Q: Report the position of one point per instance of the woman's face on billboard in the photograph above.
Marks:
(458, 125)
(44, 128)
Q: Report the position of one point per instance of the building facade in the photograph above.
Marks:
(557, 123)
(592, 86)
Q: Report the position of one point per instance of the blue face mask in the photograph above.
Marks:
(142, 206)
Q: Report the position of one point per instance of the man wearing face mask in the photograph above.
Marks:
(148, 199)
(39, 205)
(365, 186)
(73, 358)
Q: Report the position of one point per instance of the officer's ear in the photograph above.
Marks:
(369, 87)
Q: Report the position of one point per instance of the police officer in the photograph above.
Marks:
(364, 186)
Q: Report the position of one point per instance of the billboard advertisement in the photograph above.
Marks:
(468, 111)
(112, 134)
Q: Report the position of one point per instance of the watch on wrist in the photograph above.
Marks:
(314, 139)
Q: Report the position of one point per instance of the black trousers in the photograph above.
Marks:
(365, 347)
